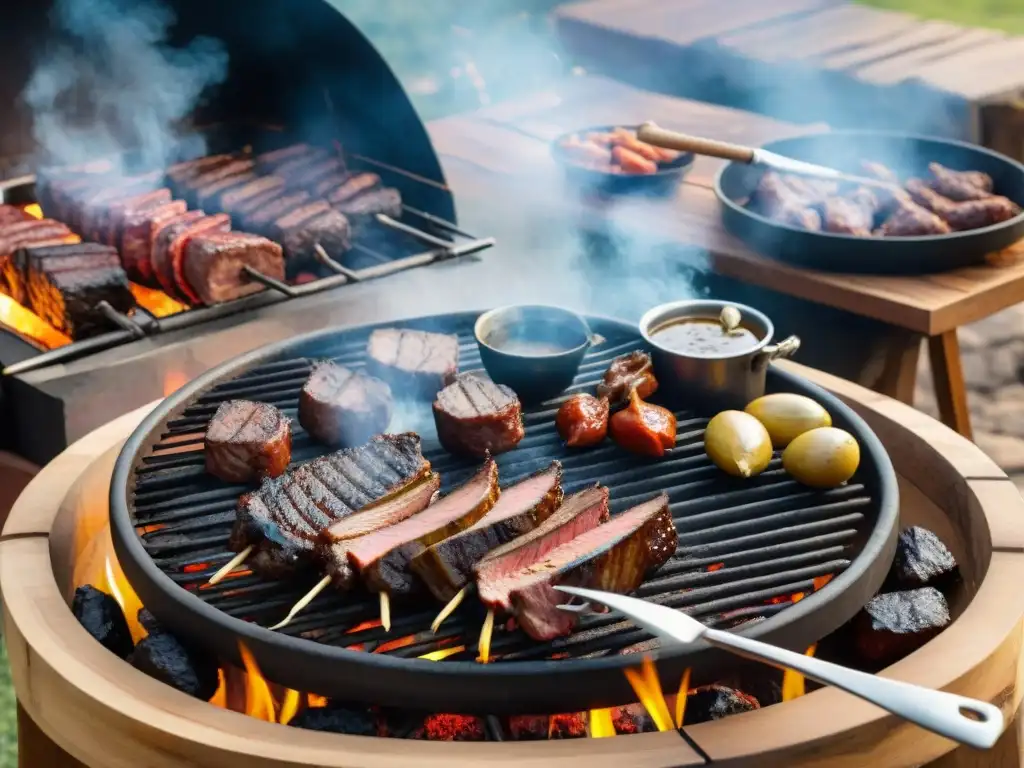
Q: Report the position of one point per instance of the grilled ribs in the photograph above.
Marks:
(247, 440)
(383, 558)
(475, 417)
(214, 261)
(613, 557)
(447, 566)
(338, 406)
(578, 514)
(415, 363)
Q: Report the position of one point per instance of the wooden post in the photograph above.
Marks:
(36, 750)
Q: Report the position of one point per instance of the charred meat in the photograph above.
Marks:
(476, 417)
(413, 362)
(339, 189)
(446, 567)
(363, 207)
(236, 198)
(626, 373)
(383, 557)
(897, 623)
(68, 299)
(211, 196)
(339, 406)
(214, 264)
(300, 230)
(911, 220)
(262, 219)
(138, 230)
(497, 574)
(922, 560)
(111, 222)
(613, 557)
(853, 215)
(169, 256)
(582, 420)
(960, 185)
(247, 440)
(27, 279)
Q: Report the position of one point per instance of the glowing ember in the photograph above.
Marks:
(29, 324)
(716, 567)
(34, 210)
(391, 645)
(570, 725)
(313, 701)
(684, 688)
(443, 653)
(373, 623)
(821, 581)
(648, 689)
(601, 725)
(157, 303)
(454, 728)
(793, 682)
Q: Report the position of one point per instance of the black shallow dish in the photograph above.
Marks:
(503, 687)
(908, 156)
(661, 183)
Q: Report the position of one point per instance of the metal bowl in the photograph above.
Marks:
(908, 156)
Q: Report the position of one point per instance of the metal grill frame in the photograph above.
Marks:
(519, 687)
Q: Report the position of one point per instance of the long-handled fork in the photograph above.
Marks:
(967, 721)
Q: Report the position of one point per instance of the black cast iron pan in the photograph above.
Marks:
(908, 156)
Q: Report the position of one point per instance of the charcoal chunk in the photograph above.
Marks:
(163, 657)
(895, 624)
(337, 719)
(571, 725)
(713, 702)
(632, 718)
(528, 727)
(446, 727)
(103, 618)
(922, 560)
(149, 622)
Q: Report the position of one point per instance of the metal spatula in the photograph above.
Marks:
(649, 133)
(967, 721)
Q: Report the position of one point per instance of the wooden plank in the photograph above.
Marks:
(983, 72)
(950, 389)
(898, 68)
(921, 36)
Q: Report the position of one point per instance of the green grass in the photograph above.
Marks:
(8, 714)
(1007, 15)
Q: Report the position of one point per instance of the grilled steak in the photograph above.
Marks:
(277, 518)
(613, 557)
(348, 187)
(161, 241)
(383, 557)
(394, 509)
(169, 263)
(214, 261)
(262, 219)
(246, 440)
(475, 416)
(306, 226)
(210, 196)
(67, 299)
(447, 566)
(10, 214)
(364, 207)
(496, 573)
(413, 362)
(233, 200)
(338, 406)
(12, 271)
(137, 232)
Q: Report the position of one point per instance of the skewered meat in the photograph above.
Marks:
(137, 234)
(179, 173)
(190, 187)
(211, 196)
(413, 362)
(643, 428)
(339, 189)
(309, 176)
(168, 257)
(970, 214)
(897, 623)
(338, 406)
(68, 299)
(582, 420)
(383, 557)
(613, 557)
(364, 207)
(921, 560)
(101, 616)
(299, 165)
(447, 566)
(626, 373)
(394, 509)
(775, 199)
(247, 440)
(31, 265)
(496, 575)
(476, 417)
(911, 220)
(713, 702)
(10, 214)
(960, 185)
(271, 160)
(304, 227)
(214, 261)
(262, 218)
(161, 241)
(19, 234)
(90, 215)
(109, 222)
(854, 215)
(286, 525)
(233, 200)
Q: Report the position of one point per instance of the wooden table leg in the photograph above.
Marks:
(950, 390)
(35, 750)
(898, 377)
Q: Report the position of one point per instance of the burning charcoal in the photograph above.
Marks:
(162, 656)
(337, 719)
(528, 727)
(401, 724)
(149, 622)
(896, 624)
(921, 560)
(103, 618)
(632, 718)
(571, 725)
(453, 728)
(713, 702)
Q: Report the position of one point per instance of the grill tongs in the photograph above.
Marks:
(967, 721)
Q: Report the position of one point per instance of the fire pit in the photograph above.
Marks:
(101, 712)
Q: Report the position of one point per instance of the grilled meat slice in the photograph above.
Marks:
(262, 219)
(339, 189)
(476, 417)
(392, 510)
(18, 234)
(309, 176)
(961, 216)
(214, 261)
(413, 362)
(268, 161)
(911, 220)
(853, 215)
(960, 185)
(190, 187)
(180, 173)
(496, 573)
(67, 299)
(13, 280)
(109, 225)
(339, 406)
(298, 166)
(31, 265)
(161, 241)
(10, 214)
(329, 229)
(365, 206)
(383, 557)
(613, 557)
(246, 440)
(447, 566)
(211, 196)
(137, 233)
(168, 262)
(776, 198)
(234, 200)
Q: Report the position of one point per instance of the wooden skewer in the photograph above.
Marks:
(385, 611)
(233, 563)
(449, 609)
(320, 587)
(485, 637)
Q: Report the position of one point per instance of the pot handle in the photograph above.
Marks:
(785, 348)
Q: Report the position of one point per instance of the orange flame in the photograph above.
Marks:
(157, 303)
(259, 702)
(173, 381)
(29, 324)
(648, 689)
(684, 691)
(220, 696)
(443, 653)
(793, 682)
(289, 706)
(314, 701)
(34, 210)
(601, 725)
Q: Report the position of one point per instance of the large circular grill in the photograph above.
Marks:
(745, 547)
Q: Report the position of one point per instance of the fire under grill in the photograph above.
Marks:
(767, 556)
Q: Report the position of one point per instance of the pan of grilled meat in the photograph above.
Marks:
(950, 205)
(309, 501)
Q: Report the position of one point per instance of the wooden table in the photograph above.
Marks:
(502, 152)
